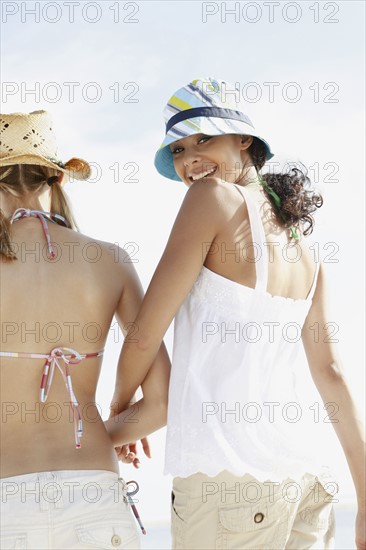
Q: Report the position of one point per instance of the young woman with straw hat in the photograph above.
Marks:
(60, 484)
(245, 475)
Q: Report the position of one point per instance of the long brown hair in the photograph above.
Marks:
(298, 199)
(21, 179)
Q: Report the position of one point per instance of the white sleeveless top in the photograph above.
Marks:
(232, 398)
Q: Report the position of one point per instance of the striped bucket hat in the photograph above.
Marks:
(204, 106)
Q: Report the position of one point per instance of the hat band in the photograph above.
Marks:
(216, 112)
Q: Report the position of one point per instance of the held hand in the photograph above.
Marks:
(128, 453)
(360, 539)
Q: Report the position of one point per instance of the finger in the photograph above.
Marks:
(118, 451)
(122, 452)
(131, 457)
(133, 447)
(127, 459)
(125, 449)
(146, 446)
(121, 456)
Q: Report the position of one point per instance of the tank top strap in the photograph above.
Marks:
(259, 239)
(313, 286)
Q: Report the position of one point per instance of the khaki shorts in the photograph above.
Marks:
(71, 509)
(242, 513)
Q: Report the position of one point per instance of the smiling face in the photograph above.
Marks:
(199, 156)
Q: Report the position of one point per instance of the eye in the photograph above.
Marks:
(176, 150)
(204, 138)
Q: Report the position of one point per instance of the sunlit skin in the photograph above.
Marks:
(68, 291)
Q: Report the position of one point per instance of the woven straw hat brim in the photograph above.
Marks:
(164, 158)
(82, 172)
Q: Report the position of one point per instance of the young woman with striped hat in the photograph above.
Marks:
(245, 475)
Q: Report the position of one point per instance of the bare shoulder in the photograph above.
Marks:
(102, 254)
(211, 188)
(212, 199)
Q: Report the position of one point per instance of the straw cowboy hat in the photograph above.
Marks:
(204, 106)
(28, 138)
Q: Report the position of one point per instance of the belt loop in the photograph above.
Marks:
(59, 503)
(42, 480)
(124, 488)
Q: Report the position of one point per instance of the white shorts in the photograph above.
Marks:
(68, 509)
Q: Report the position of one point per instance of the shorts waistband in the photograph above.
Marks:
(62, 474)
(198, 483)
(60, 479)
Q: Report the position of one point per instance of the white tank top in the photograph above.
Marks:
(232, 397)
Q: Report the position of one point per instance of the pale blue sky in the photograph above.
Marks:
(165, 49)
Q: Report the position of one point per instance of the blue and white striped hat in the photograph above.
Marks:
(204, 106)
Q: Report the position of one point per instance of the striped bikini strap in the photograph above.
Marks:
(60, 358)
(43, 217)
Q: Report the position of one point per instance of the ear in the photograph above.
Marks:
(246, 142)
(61, 179)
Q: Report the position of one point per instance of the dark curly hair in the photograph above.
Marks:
(298, 199)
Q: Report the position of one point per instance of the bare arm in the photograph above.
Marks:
(328, 375)
(195, 226)
(151, 413)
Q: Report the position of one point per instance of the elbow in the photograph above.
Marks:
(335, 370)
(159, 408)
(332, 372)
(162, 409)
(163, 418)
(144, 342)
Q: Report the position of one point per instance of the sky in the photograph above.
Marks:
(105, 71)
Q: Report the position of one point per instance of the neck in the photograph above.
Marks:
(248, 176)
(9, 203)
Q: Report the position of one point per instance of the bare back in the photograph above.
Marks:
(66, 302)
(232, 254)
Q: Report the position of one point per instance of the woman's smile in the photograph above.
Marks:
(200, 173)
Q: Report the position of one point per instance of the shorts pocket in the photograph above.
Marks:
(177, 525)
(174, 507)
(12, 541)
(109, 534)
(261, 525)
(327, 490)
(319, 505)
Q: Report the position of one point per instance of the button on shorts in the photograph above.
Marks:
(238, 513)
(68, 509)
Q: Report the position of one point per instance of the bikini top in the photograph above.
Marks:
(53, 359)
(58, 357)
(43, 217)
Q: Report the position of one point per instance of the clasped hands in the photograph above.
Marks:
(128, 453)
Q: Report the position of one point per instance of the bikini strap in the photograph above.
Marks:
(42, 216)
(60, 358)
(258, 238)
